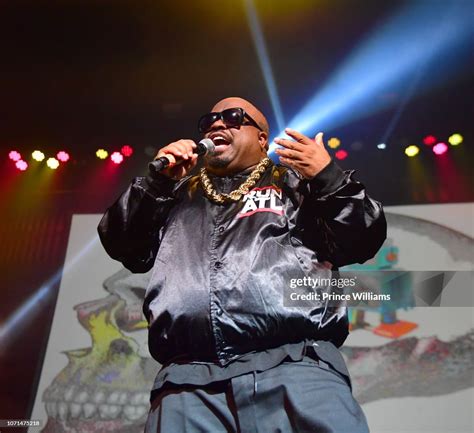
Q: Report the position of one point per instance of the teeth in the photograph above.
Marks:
(108, 411)
(75, 409)
(220, 139)
(62, 409)
(51, 409)
(99, 397)
(145, 398)
(136, 409)
(140, 398)
(89, 410)
(103, 411)
(114, 410)
(123, 398)
(69, 393)
(134, 413)
(82, 397)
(113, 398)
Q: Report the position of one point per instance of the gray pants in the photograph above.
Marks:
(305, 396)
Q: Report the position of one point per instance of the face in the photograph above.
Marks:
(237, 148)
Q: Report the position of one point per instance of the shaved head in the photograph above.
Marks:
(237, 147)
(252, 110)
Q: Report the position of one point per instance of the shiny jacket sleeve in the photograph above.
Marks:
(339, 220)
(130, 228)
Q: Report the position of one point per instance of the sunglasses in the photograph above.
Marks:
(232, 118)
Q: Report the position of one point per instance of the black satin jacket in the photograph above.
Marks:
(219, 271)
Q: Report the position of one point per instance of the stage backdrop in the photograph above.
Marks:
(414, 376)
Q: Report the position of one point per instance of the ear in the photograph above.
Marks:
(263, 140)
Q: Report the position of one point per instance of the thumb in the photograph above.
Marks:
(319, 139)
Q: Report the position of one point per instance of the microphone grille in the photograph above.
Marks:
(208, 144)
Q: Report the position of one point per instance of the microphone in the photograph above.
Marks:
(206, 145)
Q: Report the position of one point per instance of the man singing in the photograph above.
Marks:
(223, 246)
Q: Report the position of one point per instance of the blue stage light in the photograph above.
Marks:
(419, 33)
(264, 61)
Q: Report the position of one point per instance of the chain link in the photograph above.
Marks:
(234, 196)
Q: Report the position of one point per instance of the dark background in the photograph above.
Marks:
(85, 74)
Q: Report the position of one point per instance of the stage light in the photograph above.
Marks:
(21, 165)
(429, 140)
(116, 157)
(38, 155)
(14, 155)
(455, 139)
(334, 142)
(126, 150)
(12, 326)
(62, 156)
(264, 60)
(440, 148)
(52, 163)
(412, 150)
(102, 154)
(381, 146)
(371, 70)
(341, 154)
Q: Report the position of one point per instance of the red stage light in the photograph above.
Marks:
(341, 154)
(440, 148)
(126, 150)
(62, 156)
(116, 157)
(21, 165)
(429, 140)
(14, 155)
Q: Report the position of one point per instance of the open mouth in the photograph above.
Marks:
(221, 142)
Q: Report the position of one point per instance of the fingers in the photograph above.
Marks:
(181, 157)
(303, 154)
(187, 166)
(191, 163)
(299, 140)
(298, 136)
(290, 144)
(179, 172)
(181, 149)
(290, 154)
(169, 156)
(297, 150)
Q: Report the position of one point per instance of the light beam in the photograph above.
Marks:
(264, 61)
(420, 32)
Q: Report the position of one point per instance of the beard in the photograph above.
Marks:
(217, 161)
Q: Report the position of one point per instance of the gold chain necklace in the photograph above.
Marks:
(221, 198)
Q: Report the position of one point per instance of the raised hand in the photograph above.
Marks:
(303, 154)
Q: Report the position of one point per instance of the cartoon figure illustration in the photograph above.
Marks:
(399, 291)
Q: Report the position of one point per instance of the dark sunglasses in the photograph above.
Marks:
(232, 117)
